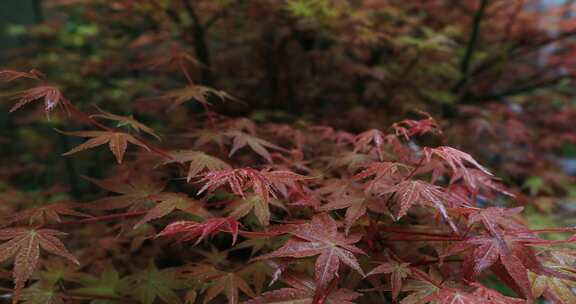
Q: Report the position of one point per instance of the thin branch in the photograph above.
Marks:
(512, 20)
(200, 44)
(428, 239)
(70, 166)
(558, 229)
(435, 261)
(81, 295)
(99, 219)
(471, 47)
(522, 89)
(221, 13)
(191, 12)
(411, 232)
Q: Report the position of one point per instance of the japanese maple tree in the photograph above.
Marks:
(196, 201)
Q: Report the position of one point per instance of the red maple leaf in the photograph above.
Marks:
(376, 137)
(117, 141)
(454, 296)
(133, 191)
(492, 296)
(497, 220)
(398, 272)
(320, 237)
(383, 173)
(25, 244)
(483, 252)
(409, 127)
(411, 192)
(11, 75)
(49, 213)
(51, 95)
(304, 290)
(264, 183)
(167, 202)
(198, 162)
(457, 161)
(258, 145)
(190, 230)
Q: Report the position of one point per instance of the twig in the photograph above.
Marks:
(99, 219)
(471, 48)
(411, 232)
(71, 171)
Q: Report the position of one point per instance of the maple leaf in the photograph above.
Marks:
(383, 173)
(351, 160)
(135, 190)
(398, 272)
(117, 141)
(456, 160)
(51, 95)
(355, 204)
(497, 220)
(422, 287)
(363, 140)
(241, 207)
(336, 187)
(303, 290)
(127, 121)
(176, 59)
(477, 178)
(50, 213)
(205, 136)
(11, 75)
(453, 296)
(340, 137)
(409, 127)
(39, 293)
(513, 256)
(190, 230)
(168, 202)
(199, 162)
(556, 289)
(255, 243)
(229, 283)
(320, 237)
(264, 183)
(378, 170)
(258, 145)
(24, 244)
(107, 284)
(57, 270)
(492, 296)
(194, 92)
(241, 124)
(151, 283)
(410, 192)
(257, 273)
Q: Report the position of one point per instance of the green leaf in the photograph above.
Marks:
(152, 283)
(106, 285)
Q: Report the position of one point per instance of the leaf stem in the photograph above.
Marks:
(99, 219)
(430, 239)
(411, 232)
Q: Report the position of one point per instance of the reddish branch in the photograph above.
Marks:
(102, 218)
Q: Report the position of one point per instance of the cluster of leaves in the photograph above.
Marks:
(304, 214)
(491, 67)
(199, 207)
